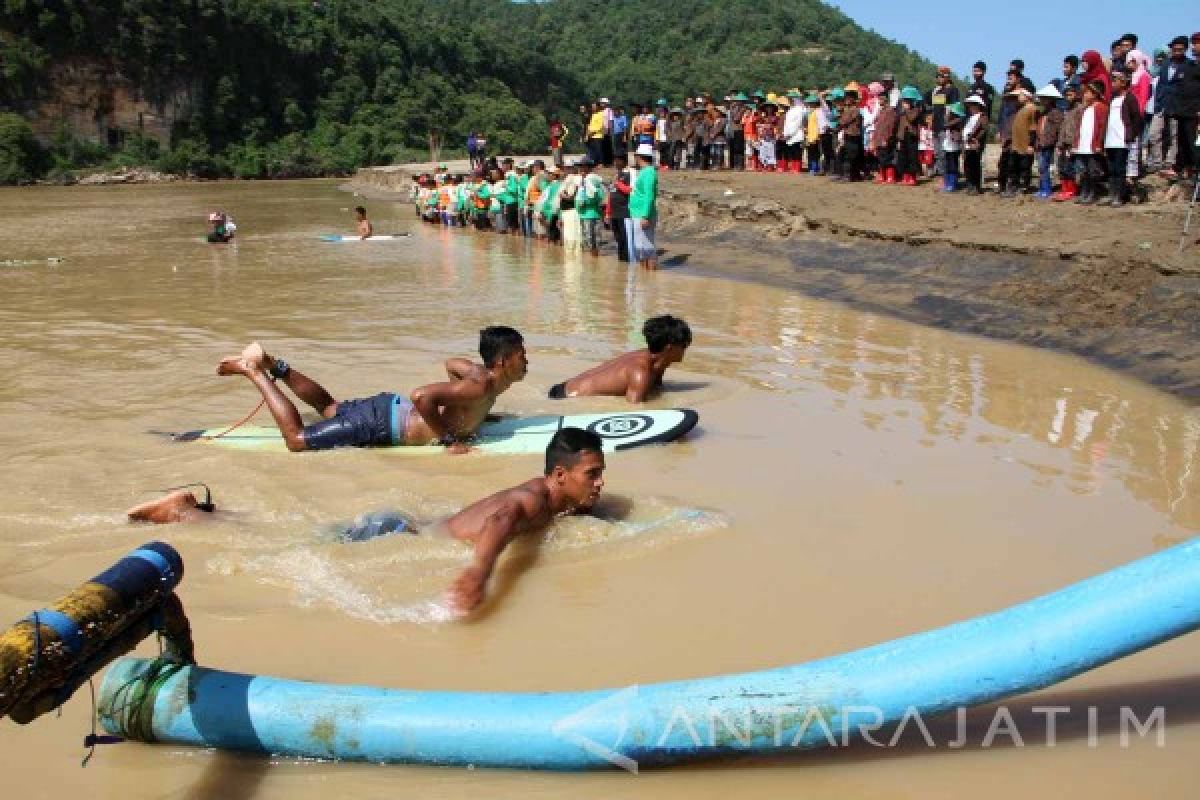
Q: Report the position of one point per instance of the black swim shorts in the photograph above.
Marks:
(558, 391)
(370, 422)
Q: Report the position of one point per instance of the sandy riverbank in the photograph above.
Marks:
(1108, 284)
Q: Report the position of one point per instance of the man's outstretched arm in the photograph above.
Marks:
(470, 587)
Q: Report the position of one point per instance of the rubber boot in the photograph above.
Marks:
(909, 179)
(1067, 192)
(881, 176)
(1087, 191)
(891, 175)
(797, 166)
(1045, 188)
(949, 183)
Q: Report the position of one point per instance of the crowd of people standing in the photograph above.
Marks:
(1102, 124)
(555, 204)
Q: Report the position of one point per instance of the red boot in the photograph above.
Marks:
(1068, 191)
(881, 176)
(908, 180)
(890, 177)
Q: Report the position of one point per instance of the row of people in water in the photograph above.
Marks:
(449, 413)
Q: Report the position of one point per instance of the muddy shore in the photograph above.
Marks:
(1107, 284)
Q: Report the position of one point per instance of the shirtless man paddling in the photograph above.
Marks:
(634, 375)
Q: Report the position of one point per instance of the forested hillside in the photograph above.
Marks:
(277, 88)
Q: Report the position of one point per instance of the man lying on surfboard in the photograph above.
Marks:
(364, 225)
(634, 375)
(445, 413)
(571, 484)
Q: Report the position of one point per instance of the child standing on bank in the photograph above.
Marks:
(926, 151)
(1049, 123)
(952, 133)
(1089, 141)
(1066, 144)
(974, 133)
(1121, 136)
(908, 134)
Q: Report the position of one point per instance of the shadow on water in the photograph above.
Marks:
(229, 776)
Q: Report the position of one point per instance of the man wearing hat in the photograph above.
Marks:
(589, 205)
(1020, 150)
(851, 124)
(890, 92)
(596, 135)
(943, 94)
(979, 86)
(794, 132)
(737, 136)
(643, 211)
(1049, 124)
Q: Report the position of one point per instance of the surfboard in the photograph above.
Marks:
(379, 237)
(622, 430)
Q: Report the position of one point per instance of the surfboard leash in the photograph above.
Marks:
(239, 423)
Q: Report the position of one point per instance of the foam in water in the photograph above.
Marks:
(402, 578)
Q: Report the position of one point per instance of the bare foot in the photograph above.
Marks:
(233, 365)
(178, 506)
(254, 356)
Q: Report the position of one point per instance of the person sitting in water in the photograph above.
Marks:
(570, 484)
(445, 413)
(223, 228)
(365, 231)
(634, 375)
(180, 505)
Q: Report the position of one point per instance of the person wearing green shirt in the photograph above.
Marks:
(508, 198)
(483, 202)
(589, 203)
(643, 211)
(548, 206)
(522, 190)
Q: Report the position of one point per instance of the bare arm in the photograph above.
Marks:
(640, 384)
(432, 400)
(458, 368)
(469, 588)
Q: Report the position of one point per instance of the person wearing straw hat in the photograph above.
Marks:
(974, 136)
(1049, 123)
(643, 210)
(812, 132)
(851, 124)
(765, 135)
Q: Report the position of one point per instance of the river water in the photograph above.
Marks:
(853, 479)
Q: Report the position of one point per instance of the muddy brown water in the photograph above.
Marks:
(854, 478)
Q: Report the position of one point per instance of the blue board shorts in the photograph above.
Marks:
(377, 421)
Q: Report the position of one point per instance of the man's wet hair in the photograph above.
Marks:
(1073, 60)
(360, 210)
(497, 343)
(666, 330)
(569, 445)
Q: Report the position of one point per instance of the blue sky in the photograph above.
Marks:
(1039, 31)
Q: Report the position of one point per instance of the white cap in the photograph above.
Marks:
(646, 150)
(604, 100)
(1050, 90)
(976, 99)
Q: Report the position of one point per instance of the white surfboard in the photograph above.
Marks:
(620, 430)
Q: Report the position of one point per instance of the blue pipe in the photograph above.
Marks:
(1021, 649)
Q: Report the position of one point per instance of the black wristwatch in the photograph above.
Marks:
(280, 368)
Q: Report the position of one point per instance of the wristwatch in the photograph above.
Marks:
(280, 368)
